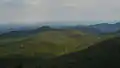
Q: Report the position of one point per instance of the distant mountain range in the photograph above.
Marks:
(23, 33)
(4, 28)
(97, 28)
(107, 28)
(86, 29)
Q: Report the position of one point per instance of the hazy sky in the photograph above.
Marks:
(59, 10)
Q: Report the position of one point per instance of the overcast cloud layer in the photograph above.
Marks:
(59, 10)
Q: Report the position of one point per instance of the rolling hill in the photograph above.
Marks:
(53, 42)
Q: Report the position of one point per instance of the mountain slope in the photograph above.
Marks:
(105, 54)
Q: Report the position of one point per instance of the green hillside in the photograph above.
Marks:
(47, 44)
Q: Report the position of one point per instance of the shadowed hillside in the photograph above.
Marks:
(105, 54)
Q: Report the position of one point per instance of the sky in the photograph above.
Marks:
(59, 10)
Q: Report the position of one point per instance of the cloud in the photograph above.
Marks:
(59, 10)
